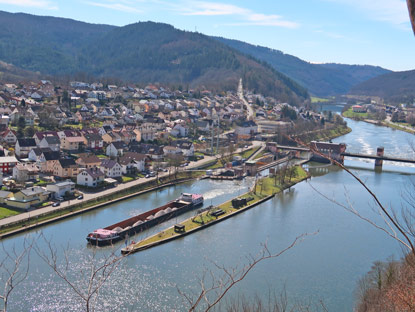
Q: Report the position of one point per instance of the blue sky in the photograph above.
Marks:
(375, 32)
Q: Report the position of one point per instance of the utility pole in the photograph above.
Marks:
(211, 141)
(217, 137)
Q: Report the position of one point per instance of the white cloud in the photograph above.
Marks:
(247, 16)
(44, 4)
(124, 7)
(391, 11)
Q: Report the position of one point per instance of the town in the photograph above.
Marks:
(59, 141)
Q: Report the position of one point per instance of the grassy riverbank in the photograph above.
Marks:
(325, 134)
(96, 202)
(263, 190)
(367, 117)
(6, 212)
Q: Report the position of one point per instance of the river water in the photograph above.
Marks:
(325, 266)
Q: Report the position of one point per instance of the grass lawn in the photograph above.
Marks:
(315, 99)
(350, 114)
(41, 182)
(126, 179)
(5, 212)
(260, 155)
(247, 153)
(217, 165)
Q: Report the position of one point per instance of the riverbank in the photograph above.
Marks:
(325, 134)
(263, 190)
(365, 117)
(24, 224)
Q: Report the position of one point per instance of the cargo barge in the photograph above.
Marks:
(143, 221)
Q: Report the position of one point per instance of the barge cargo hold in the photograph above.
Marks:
(143, 221)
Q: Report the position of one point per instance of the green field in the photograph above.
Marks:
(315, 99)
(126, 179)
(350, 114)
(5, 212)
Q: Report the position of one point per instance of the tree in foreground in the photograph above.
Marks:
(14, 269)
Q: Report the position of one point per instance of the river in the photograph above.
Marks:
(325, 266)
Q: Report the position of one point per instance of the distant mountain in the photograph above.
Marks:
(319, 79)
(45, 44)
(396, 85)
(13, 74)
(142, 52)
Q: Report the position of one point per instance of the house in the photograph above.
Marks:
(92, 177)
(203, 125)
(247, 128)
(72, 143)
(359, 109)
(110, 137)
(115, 149)
(172, 150)
(4, 195)
(180, 131)
(148, 133)
(52, 142)
(23, 172)
(7, 164)
(151, 150)
(26, 113)
(24, 146)
(61, 189)
(186, 147)
(8, 136)
(94, 141)
(29, 197)
(36, 152)
(65, 168)
(133, 162)
(47, 160)
(71, 140)
(111, 168)
(88, 161)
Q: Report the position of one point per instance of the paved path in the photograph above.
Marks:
(122, 186)
(249, 108)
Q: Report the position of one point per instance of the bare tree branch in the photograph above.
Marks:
(14, 268)
(411, 9)
(391, 217)
(97, 273)
(231, 276)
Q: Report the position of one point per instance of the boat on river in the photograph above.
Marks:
(145, 220)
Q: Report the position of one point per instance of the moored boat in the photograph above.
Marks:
(145, 220)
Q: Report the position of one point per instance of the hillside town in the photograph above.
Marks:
(57, 141)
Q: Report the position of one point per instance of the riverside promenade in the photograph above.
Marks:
(25, 216)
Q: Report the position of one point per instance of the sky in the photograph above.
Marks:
(373, 32)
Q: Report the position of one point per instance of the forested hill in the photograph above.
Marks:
(142, 52)
(396, 85)
(319, 79)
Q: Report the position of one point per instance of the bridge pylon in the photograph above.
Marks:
(380, 151)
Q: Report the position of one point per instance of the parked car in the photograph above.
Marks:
(147, 176)
(60, 198)
(80, 197)
(56, 204)
(152, 174)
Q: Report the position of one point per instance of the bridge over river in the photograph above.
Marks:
(337, 151)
